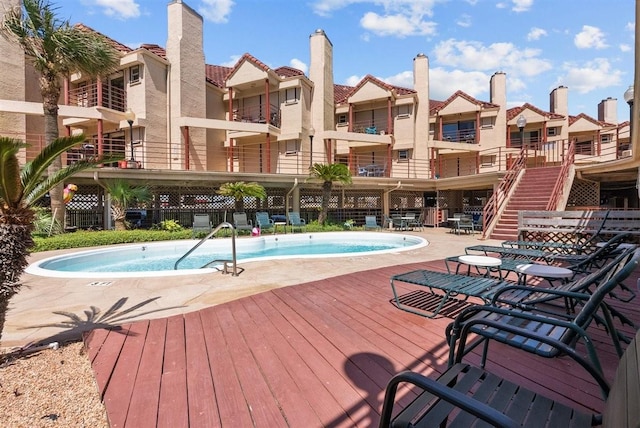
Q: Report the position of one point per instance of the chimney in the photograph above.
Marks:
(321, 74)
(608, 110)
(422, 107)
(559, 101)
(498, 89)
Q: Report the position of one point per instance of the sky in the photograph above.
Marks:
(585, 45)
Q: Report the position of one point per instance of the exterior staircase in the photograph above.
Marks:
(531, 194)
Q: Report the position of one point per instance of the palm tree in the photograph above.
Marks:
(240, 190)
(124, 196)
(20, 189)
(56, 50)
(329, 173)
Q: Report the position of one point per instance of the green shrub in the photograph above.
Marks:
(169, 226)
(83, 238)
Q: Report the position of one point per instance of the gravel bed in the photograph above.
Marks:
(50, 388)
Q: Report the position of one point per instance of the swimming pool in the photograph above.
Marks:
(158, 258)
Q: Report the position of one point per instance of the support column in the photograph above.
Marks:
(268, 153)
(389, 117)
(100, 137)
(187, 142)
(350, 117)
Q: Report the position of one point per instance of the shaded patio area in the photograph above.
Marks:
(317, 354)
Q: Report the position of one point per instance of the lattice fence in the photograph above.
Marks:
(584, 193)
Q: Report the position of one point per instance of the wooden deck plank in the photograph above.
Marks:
(105, 361)
(228, 396)
(173, 405)
(275, 367)
(120, 390)
(199, 379)
(254, 387)
(315, 354)
(143, 409)
(93, 341)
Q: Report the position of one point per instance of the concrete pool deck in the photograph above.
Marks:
(54, 309)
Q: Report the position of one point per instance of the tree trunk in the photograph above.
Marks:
(50, 94)
(326, 196)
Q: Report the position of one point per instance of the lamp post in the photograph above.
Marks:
(521, 123)
(311, 132)
(628, 97)
(130, 116)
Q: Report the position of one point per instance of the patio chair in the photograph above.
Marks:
(526, 328)
(240, 222)
(201, 224)
(264, 223)
(370, 222)
(465, 395)
(295, 221)
(466, 224)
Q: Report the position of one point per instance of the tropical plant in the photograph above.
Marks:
(56, 50)
(240, 190)
(124, 196)
(20, 190)
(329, 174)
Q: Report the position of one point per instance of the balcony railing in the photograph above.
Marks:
(257, 114)
(460, 136)
(378, 127)
(113, 97)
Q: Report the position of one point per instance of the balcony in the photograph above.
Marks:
(370, 127)
(112, 97)
(467, 136)
(257, 114)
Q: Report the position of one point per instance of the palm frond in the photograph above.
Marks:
(11, 190)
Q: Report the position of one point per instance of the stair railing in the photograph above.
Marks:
(499, 198)
(202, 241)
(558, 188)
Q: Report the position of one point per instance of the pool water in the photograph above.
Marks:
(159, 258)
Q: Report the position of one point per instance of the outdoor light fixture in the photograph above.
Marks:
(521, 123)
(130, 116)
(311, 132)
(628, 97)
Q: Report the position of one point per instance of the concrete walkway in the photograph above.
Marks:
(57, 309)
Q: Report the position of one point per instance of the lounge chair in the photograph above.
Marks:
(264, 223)
(295, 221)
(201, 224)
(464, 395)
(466, 224)
(524, 327)
(240, 222)
(370, 222)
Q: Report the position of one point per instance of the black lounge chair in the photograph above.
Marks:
(524, 327)
(467, 396)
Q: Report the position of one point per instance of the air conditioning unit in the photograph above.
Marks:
(627, 153)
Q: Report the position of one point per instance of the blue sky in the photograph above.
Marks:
(586, 45)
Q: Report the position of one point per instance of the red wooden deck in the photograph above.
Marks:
(317, 354)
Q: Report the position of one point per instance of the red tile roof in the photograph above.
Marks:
(288, 72)
(217, 74)
(515, 111)
(461, 94)
(155, 49)
(119, 46)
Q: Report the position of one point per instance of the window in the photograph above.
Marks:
(135, 74)
(487, 160)
(291, 95)
(291, 147)
(584, 148)
(606, 138)
(342, 119)
(487, 122)
(404, 111)
(403, 155)
(552, 132)
(463, 131)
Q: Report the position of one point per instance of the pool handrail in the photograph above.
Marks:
(213, 232)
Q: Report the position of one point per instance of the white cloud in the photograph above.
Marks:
(122, 9)
(631, 26)
(300, 65)
(353, 80)
(625, 47)
(216, 11)
(444, 83)
(590, 37)
(233, 60)
(521, 5)
(464, 21)
(536, 33)
(497, 56)
(595, 74)
(403, 79)
(396, 25)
